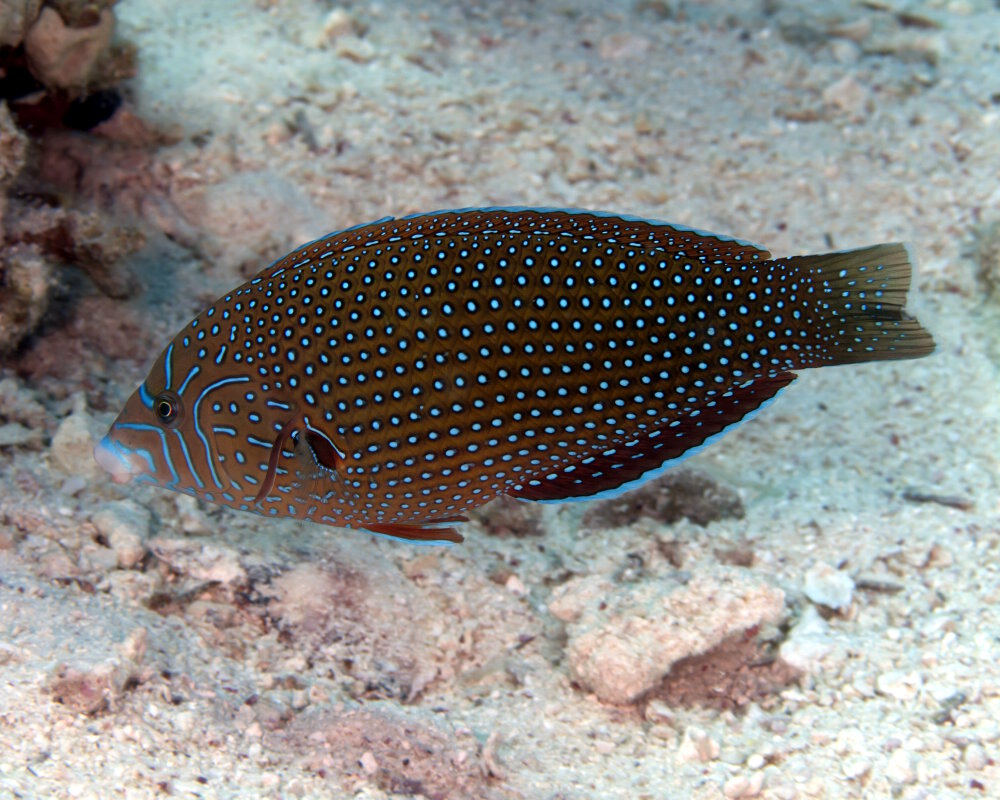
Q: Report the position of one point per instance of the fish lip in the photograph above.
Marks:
(114, 459)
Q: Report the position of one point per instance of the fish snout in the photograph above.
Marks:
(115, 459)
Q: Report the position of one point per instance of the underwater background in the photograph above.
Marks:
(806, 609)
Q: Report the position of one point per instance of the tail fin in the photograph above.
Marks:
(860, 295)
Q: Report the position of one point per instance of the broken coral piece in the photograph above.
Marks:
(65, 57)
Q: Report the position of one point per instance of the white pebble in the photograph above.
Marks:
(125, 527)
(850, 740)
(515, 586)
(337, 23)
(845, 51)
(856, 768)
(784, 791)
(846, 95)
(697, 745)
(354, 49)
(808, 642)
(659, 713)
(975, 757)
(828, 587)
(899, 684)
(368, 762)
(901, 767)
(742, 786)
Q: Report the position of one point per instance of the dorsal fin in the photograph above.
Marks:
(648, 234)
(623, 468)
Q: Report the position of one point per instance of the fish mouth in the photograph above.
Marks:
(115, 460)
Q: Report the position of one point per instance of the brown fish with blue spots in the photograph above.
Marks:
(395, 375)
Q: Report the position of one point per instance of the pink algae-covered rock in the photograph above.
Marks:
(623, 640)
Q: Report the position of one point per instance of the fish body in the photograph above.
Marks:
(395, 375)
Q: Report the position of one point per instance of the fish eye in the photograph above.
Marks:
(168, 409)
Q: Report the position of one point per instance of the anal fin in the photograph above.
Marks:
(622, 467)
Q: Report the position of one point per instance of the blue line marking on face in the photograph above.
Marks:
(175, 478)
(196, 410)
(139, 426)
(148, 458)
(187, 459)
(123, 453)
(145, 396)
(168, 369)
(194, 371)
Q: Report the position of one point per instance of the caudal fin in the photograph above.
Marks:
(859, 296)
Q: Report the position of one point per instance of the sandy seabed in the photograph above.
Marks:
(151, 646)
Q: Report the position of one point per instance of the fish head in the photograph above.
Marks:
(195, 428)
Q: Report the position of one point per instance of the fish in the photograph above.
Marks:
(393, 376)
